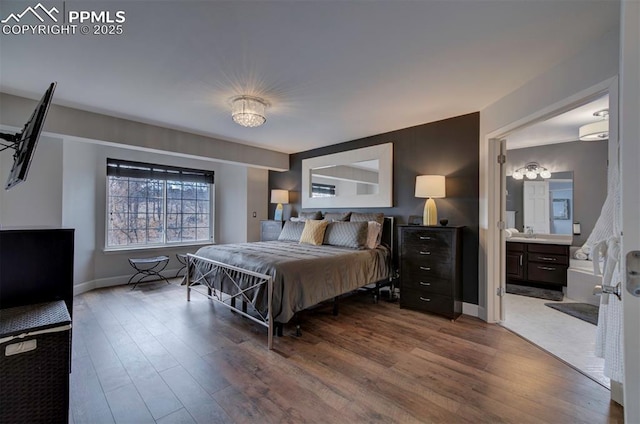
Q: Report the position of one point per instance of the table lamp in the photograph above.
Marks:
(280, 197)
(431, 187)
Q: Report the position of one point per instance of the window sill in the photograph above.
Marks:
(119, 250)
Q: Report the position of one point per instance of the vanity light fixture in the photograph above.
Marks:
(248, 111)
(598, 130)
(531, 170)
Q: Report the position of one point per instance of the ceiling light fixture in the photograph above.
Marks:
(598, 130)
(248, 111)
(531, 170)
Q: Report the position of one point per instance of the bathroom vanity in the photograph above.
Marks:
(541, 259)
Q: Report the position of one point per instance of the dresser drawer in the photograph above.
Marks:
(548, 258)
(429, 302)
(425, 268)
(426, 253)
(426, 238)
(547, 273)
(553, 249)
(428, 285)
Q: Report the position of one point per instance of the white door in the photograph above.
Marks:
(630, 178)
(536, 206)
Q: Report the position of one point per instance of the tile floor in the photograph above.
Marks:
(564, 336)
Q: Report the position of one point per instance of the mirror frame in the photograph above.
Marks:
(384, 198)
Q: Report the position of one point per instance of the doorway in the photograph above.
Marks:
(554, 187)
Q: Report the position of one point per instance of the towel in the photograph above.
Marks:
(513, 230)
(507, 233)
(586, 249)
(581, 255)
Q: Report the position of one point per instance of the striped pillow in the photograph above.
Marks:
(313, 232)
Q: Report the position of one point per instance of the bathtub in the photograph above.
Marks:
(580, 282)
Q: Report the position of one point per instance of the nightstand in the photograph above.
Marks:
(431, 269)
(270, 230)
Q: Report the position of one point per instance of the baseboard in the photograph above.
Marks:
(470, 309)
(113, 281)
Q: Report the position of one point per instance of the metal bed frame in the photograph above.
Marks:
(233, 273)
(256, 280)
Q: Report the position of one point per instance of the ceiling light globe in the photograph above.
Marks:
(531, 175)
(517, 175)
(545, 174)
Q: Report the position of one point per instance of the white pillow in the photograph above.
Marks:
(374, 234)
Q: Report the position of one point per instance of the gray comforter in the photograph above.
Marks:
(303, 275)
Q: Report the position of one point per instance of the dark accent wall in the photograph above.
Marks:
(448, 147)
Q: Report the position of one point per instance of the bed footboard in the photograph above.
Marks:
(201, 270)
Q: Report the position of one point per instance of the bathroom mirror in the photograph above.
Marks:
(360, 178)
(546, 205)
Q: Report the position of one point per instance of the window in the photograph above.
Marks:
(155, 205)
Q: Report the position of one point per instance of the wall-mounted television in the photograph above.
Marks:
(24, 143)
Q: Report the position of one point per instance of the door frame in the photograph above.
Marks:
(496, 216)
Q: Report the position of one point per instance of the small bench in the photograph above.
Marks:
(148, 267)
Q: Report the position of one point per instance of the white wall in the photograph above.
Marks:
(567, 80)
(38, 200)
(257, 200)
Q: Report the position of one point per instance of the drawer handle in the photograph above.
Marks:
(424, 299)
(545, 258)
(425, 238)
(546, 268)
(423, 252)
(424, 283)
(425, 268)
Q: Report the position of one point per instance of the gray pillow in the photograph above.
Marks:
(358, 217)
(337, 216)
(310, 215)
(347, 234)
(292, 231)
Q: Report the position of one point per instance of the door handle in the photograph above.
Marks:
(604, 289)
(633, 273)
(546, 268)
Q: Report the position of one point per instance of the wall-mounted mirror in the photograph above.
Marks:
(544, 205)
(360, 178)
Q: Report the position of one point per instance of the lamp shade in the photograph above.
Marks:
(432, 186)
(280, 196)
(594, 131)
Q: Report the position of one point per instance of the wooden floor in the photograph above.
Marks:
(148, 355)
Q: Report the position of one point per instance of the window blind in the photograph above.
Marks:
(125, 168)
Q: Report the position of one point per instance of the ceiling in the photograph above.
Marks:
(333, 71)
(562, 128)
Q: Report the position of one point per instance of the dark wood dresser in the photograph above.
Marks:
(431, 269)
(270, 230)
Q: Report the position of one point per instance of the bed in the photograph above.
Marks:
(274, 280)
